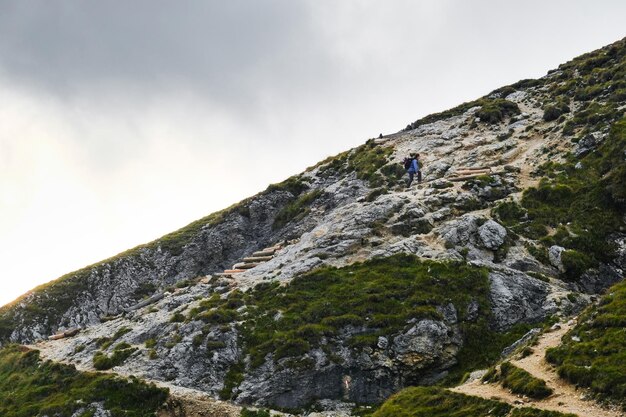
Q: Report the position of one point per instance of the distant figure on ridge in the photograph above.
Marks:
(412, 166)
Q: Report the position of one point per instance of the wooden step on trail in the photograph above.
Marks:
(473, 168)
(257, 259)
(64, 334)
(244, 265)
(471, 171)
(465, 177)
(264, 253)
(148, 301)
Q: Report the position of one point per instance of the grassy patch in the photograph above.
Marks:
(493, 110)
(521, 382)
(366, 161)
(584, 206)
(254, 413)
(597, 359)
(378, 297)
(534, 412)
(296, 210)
(497, 110)
(121, 352)
(438, 402)
(233, 378)
(30, 387)
(555, 110)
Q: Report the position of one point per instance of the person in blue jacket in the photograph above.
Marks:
(413, 168)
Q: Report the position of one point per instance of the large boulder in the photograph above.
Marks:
(492, 234)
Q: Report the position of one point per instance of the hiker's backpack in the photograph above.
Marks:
(407, 163)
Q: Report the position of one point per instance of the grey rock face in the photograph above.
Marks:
(421, 355)
(516, 297)
(597, 280)
(521, 342)
(492, 234)
(459, 232)
(588, 144)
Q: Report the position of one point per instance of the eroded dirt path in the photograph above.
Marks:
(566, 398)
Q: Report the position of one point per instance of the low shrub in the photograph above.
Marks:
(521, 382)
(496, 110)
(31, 387)
(296, 209)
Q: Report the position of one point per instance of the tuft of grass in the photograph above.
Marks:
(232, 379)
(254, 413)
(368, 161)
(177, 317)
(597, 360)
(495, 111)
(521, 382)
(555, 110)
(121, 352)
(296, 210)
(31, 387)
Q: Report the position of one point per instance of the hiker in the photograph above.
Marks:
(411, 165)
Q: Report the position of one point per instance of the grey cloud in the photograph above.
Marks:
(224, 48)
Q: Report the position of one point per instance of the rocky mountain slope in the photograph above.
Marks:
(373, 286)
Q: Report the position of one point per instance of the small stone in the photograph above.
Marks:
(554, 255)
(383, 342)
(555, 326)
(575, 338)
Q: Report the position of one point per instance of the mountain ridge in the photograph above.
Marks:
(543, 220)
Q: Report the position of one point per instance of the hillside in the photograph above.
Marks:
(343, 286)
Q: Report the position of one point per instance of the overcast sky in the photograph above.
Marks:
(122, 121)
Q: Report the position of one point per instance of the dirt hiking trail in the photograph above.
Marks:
(566, 398)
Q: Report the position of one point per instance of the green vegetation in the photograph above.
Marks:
(177, 317)
(555, 110)
(233, 378)
(296, 210)
(495, 111)
(438, 402)
(583, 206)
(30, 387)
(534, 412)
(121, 352)
(105, 342)
(366, 161)
(254, 413)
(521, 382)
(376, 298)
(597, 359)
